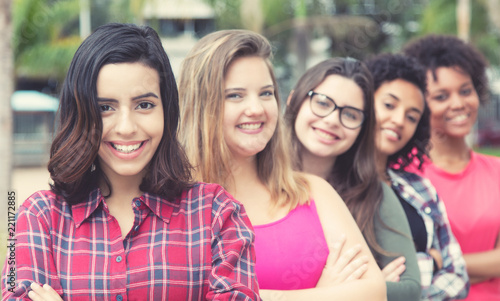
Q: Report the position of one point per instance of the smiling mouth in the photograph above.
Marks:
(459, 118)
(250, 126)
(392, 134)
(325, 135)
(126, 149)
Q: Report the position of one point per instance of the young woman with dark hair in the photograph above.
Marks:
(123, 218)
(233, 134)
(331, 120)
(402, 134)
(468, 182)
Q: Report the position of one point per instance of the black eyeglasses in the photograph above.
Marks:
(322, 106)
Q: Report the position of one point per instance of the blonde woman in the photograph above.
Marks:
(307, 243)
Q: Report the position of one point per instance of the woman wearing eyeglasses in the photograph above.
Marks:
(331, 120)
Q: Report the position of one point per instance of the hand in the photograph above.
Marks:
(45, 293)
(437, 257)
(394, 269)
(342, 268)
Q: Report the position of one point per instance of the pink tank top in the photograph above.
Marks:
(291, 252)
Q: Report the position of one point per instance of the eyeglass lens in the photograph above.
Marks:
(322, 106)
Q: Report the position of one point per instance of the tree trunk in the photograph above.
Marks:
(6, 89)
(493, 7)
(463, 19)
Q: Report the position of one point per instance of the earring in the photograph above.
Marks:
(92, 167)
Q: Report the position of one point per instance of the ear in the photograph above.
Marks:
(289, 98)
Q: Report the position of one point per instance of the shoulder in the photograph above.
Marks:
(322, 192)
(390, 201)
(318, 185)
(405, 175)
(209, 195)
(486, 160)
(408, 181)
(329, 205)
(42, 209)
(42, 201)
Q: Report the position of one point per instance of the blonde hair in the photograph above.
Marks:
(201, 101)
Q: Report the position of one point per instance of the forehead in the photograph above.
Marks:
(447, 77)
(407, 93)
(127, 78)
(248, 68)
(344, 91)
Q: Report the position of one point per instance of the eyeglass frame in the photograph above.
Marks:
(335, 107)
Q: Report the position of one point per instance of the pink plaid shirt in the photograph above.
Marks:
(199, 247)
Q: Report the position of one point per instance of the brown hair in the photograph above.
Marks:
(201, 86)
(78, 139)
(354, 174)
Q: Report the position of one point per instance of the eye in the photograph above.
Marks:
(105, 108)
(267, 93)
(234, 96)
(323, 103)
(440, 97)
(351, 114)
(146, 105)
(412, 119)
(389, 105)
(466, 92)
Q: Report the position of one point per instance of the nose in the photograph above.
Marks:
(254, 106)
(333, 119)
(398, 117)
(125, 123)
(457, 101)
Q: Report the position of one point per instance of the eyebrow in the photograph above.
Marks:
(397, 98)
(150, 94)
(394, 96)
(243, 89)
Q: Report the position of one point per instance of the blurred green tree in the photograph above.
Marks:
(45, 37)
(305, 31)
(439, 17)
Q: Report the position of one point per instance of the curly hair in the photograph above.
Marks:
(387, 68)
(435, 51)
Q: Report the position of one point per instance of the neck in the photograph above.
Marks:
(124, 188)
(319, 166)
(243, 174)
(449, 148)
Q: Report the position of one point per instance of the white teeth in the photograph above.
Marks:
(126, 148)
(250, 126)
(324, 135)
(459, 118)
(391, 133)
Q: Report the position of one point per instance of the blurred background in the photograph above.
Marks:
(40, 37)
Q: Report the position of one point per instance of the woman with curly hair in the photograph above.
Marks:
(331, 121)
(468, 182)
(402, 134)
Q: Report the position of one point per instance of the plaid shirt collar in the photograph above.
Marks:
(406, 189)
(159, 206)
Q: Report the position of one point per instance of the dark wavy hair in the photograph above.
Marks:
(387, 68)
(434, 51)
(78, 138)
(354, 174)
